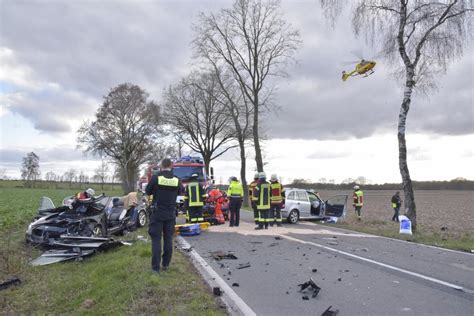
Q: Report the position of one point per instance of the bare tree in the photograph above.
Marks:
(426, 35)
(50, 176)
(101, 172)
(127, 125)
(201, 122)
(254, 43)
(30, 168)
(69, 176)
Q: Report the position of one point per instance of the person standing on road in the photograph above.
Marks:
(194, 197)
(358, 201)
(253, 199)
(235, 192)
(164, 187)
(276, 200)
(396, 204)
(263, 195)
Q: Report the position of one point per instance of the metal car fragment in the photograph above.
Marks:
(219, 255)
(53, 256)
(329, 312)
(310, 285)
(10, 282)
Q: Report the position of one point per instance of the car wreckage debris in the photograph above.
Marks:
(243, 265)
(219, 255)
(217, 291)
(10, 282)
(312, 286)
(235, 284)
(329, 312)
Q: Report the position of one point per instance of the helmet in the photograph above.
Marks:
(262, 175)
(256, 175)
(233, 178)
(194, 176)
(356, 187)
(90, 192)
(274, 177)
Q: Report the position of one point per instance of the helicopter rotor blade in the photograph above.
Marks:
(346, 63)
(358, 53)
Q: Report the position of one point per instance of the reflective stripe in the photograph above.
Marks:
(277, 189)
(195, 196)
(358, 198)
(264, 196)
(168, 182)
(394, 205)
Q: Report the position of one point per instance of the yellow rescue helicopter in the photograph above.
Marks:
(364, 67)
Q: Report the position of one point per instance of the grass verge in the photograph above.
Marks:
(117, 281)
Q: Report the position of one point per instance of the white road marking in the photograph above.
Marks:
(227, 290)
(421, 276)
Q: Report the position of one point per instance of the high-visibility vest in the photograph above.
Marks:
(264, 193)
(252, 186)
(235, 189)
(277, 191)
(194, 194)
(358, 198)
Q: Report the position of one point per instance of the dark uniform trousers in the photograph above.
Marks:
(275, 213)
(195, 212)
(157, 229)
(264, 218)
(234, 207)
(255, 212)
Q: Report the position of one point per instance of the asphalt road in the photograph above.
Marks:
(358, 274)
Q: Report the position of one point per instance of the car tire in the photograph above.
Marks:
(142, 218)
(293, 217)
(97, 231)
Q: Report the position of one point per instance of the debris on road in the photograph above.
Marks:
(273, 244)
(217, 291)
(311, 285)
(10, 282)
(219, 255)
(243, 265)
(235, 284)
(277, 237)
(256, 242)
(314, 270)
(305, 297)
(339, 279)
(333, 243)
(329, 312)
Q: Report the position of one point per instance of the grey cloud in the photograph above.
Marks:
(88, 47)
(50, 155)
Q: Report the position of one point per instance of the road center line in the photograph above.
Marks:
(418, 275)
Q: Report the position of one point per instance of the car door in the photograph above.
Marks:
(336, 206)
(303, 204)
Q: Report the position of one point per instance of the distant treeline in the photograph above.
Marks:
(43, 184)
(417, 185)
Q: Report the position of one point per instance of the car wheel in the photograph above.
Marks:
(97, 231)
(293, 217)
(142, 219)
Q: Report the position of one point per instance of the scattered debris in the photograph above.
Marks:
(314, 270)
(273, 244)
(277, 237)
(339, 279)
(217, 291)
(287, 292)
(334, 236)
(53, 256)
(304, 254)
(222, 266)
(187, 249)
(10, 282)
(219, 255)
(310, 284)
(398, 282)
(305, 297)
(256, 242)
(243, 265)
(235, 284)
(329, 312)
(333, 243)
(365, 249)
(88, 303)
(346, 270)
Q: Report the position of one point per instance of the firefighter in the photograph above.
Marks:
(358, 201)
(262, 193)
(164, 187)
(217, 198)
(253, 199)
(87, 194)
(235, 192)
(276, 200)
(195, 195)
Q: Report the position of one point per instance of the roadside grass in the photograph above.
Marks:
(117, 281)
(444, 239)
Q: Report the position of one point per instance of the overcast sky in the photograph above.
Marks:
(59, 58)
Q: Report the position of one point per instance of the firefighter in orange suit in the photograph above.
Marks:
(253, 199)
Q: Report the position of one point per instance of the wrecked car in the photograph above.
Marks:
(306, 204)
(94, 217)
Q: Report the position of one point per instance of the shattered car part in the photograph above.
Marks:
(329, 312)
(311, 285)
(10, 282)
(217, 291)
(219, 255)
(243, 265)
(53, 256)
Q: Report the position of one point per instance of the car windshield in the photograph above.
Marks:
(185, 172)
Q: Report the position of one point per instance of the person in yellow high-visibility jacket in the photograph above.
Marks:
(358, 201)
(235, 192)
(195, 195)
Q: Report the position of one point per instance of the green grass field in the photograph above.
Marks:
(117, 281)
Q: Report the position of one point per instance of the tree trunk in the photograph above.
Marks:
(129, 178)
(207, 162)
(243, 178)
(410, 206)
(256, 140)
